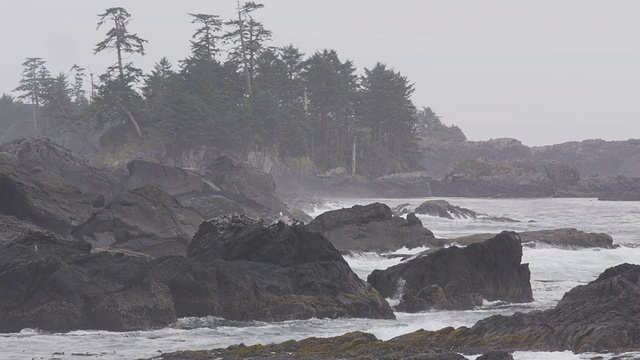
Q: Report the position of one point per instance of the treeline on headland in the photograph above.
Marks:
(233, 91)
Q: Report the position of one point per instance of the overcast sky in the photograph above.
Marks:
(541, 71)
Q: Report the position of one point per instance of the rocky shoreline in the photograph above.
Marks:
(139, 246)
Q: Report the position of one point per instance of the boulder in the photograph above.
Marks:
(443, 209)
(561, 238)
(242, 269)
(459, 278)
(246, 186)
(42, 153)
(598, 317)
(43, 198)
(57, 284)
(147, 220)
(370, 228)
(174, 180)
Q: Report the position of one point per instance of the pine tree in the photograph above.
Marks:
(34, 82)
(118, 90)
(248, 37)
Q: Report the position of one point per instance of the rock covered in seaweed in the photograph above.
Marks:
(459, 278)
(598, 317)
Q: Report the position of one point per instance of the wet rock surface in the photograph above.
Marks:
(353, 345)
(237, 268)
(147, 220)
(242, 269)
(43, 198)
(599, 316)
(370, 228)
(560, 238)
(459, 278)
(57, 284)
(42, 153)
(443, 209)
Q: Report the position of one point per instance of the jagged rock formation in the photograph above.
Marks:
(42, 153)
(459, 278)
(242, 269)
(43, 198)
(598, 317)
(561, 238)
(58, 284)
(225, 187)
(146, 219)
(370, 228)
(237, 268)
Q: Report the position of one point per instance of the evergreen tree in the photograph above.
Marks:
(430, 128)
(57, 98)
(204, 43)
(34, 82)
(331, 86)
(248, 37)
(117, 91)
(387, 110)
(78, 93)
(118, 37)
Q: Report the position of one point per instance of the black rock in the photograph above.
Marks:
(241, 269)
(147, 220)
(58, 284)
(459, 278)
(370, 228)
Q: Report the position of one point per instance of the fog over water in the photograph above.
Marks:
(544, 71)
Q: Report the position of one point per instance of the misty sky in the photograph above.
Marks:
(542, 71)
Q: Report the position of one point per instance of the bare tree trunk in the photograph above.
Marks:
(132, 120)
(353, 157)
(35, 119)
(243, 51)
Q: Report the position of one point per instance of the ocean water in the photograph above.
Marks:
(553, 272)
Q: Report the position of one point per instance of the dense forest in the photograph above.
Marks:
(235, 92)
